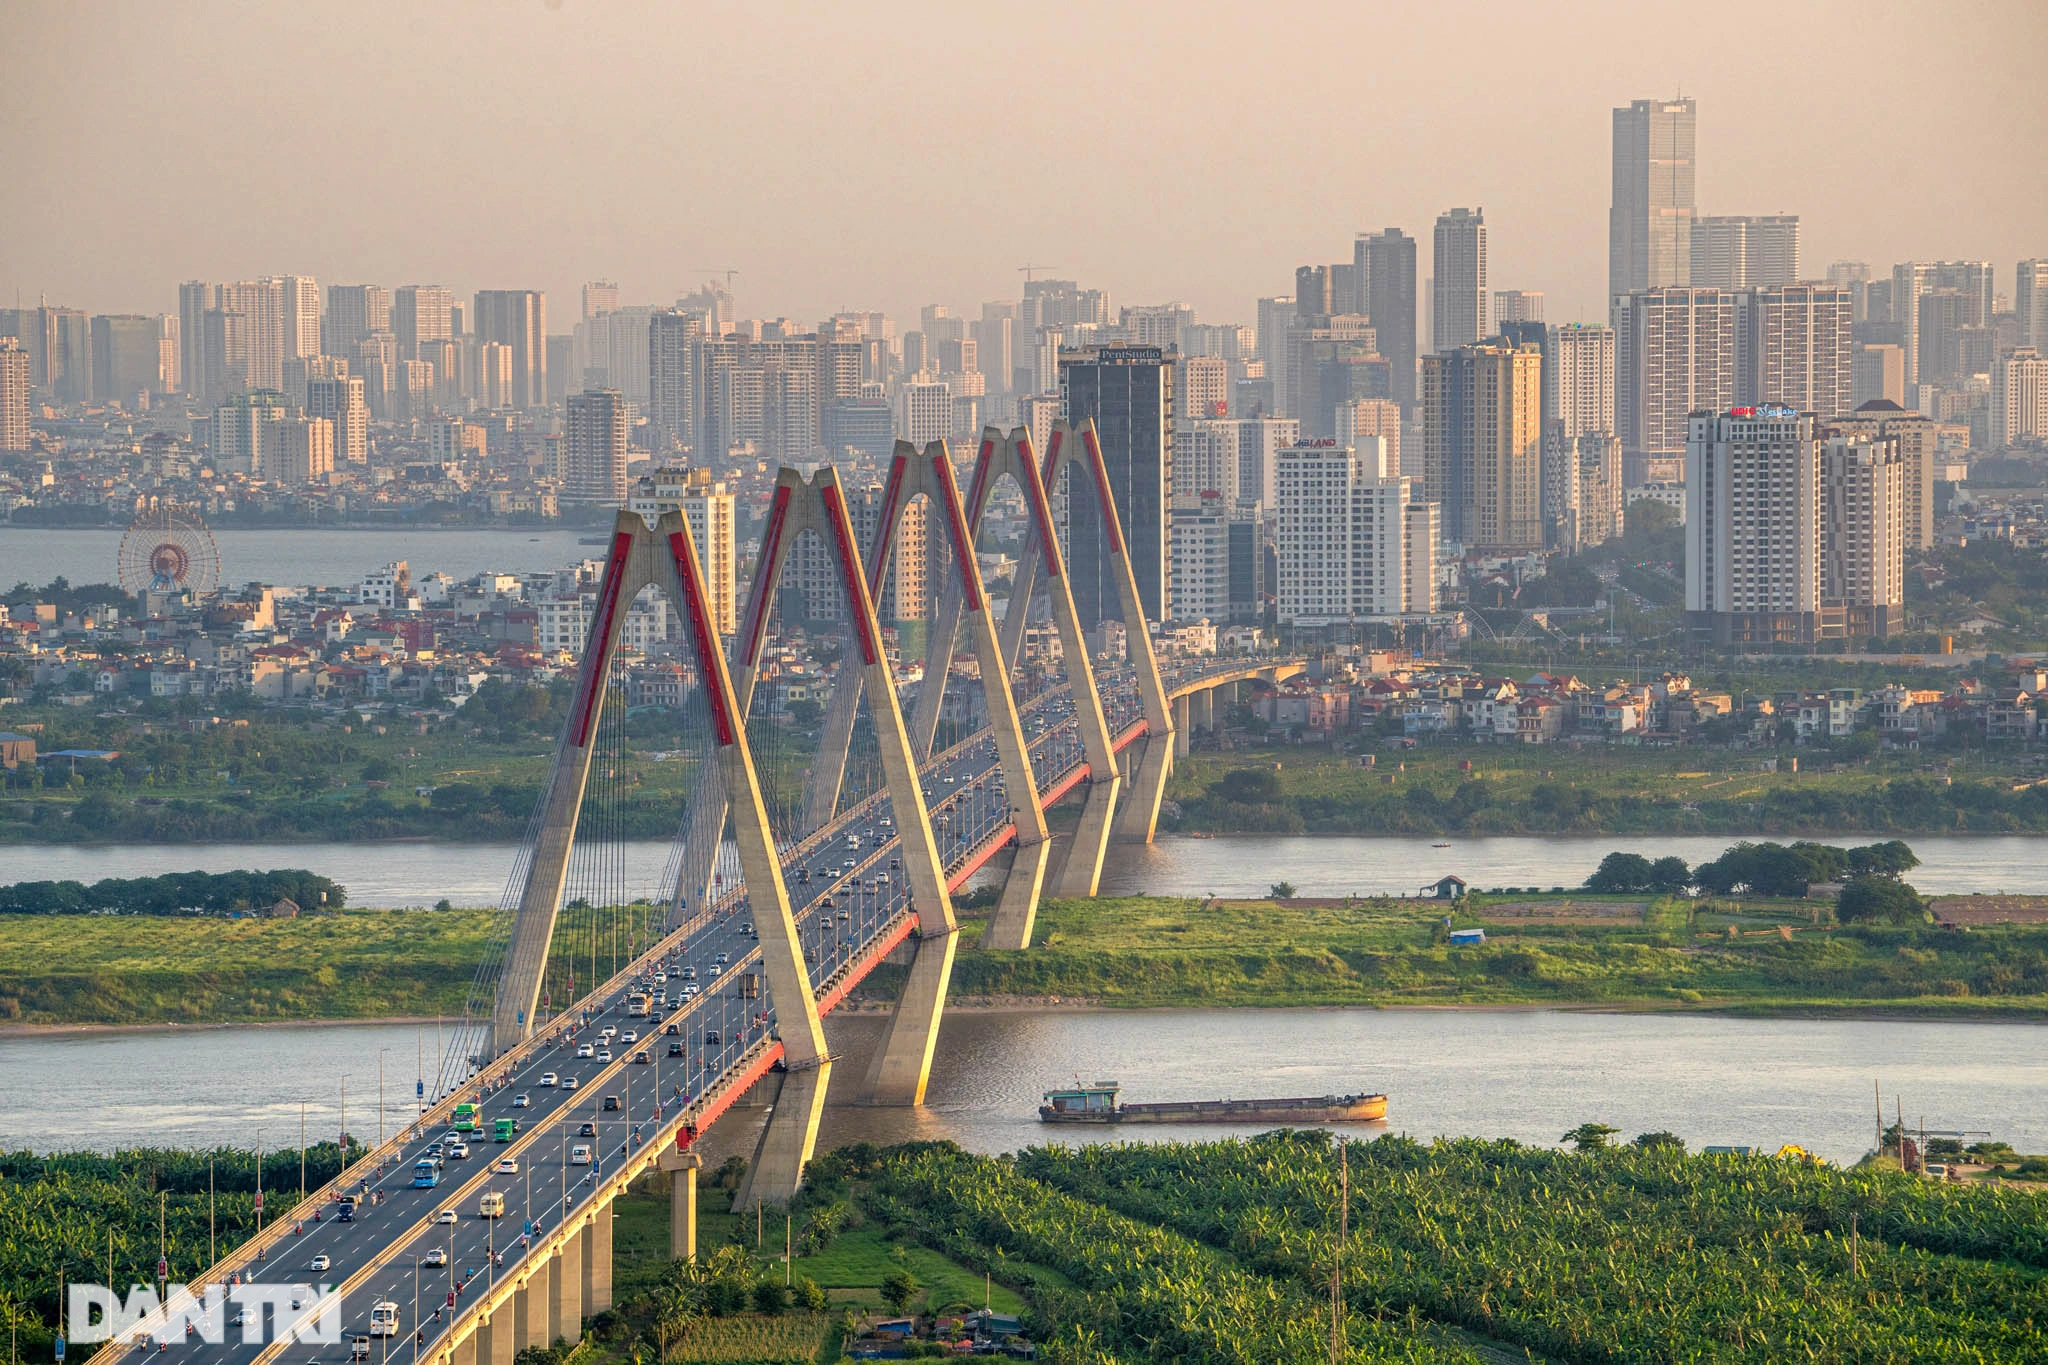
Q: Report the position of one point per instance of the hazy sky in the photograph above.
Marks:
(885, 154)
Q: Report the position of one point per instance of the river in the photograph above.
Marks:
(334, 557)
(1526, 1074)
(406, 874)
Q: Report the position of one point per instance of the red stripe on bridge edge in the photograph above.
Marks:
(710, 673)
(597, 657)
(850, 575)
(956, 527)
(763, 589)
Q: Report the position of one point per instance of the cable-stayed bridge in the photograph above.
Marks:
(612, 1026)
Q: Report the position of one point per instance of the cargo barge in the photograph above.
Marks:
(1097, 1103)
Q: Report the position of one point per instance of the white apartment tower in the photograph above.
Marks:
(594, 448)
(1460, 313)
(708, 507)
(1674, 355)
(1342, 535)
(1863, 537)
(2019, 398)
(1745, 252)
(1792, 347)
(1753, 527)
(341, 402)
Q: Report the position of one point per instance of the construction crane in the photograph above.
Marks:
(1028, 267)
(727, 270)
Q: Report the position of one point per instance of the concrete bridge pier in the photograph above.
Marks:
(1138, 816)
(788, 1139)
(565, 1293)
(1017, 911)
(1202, 710)
(1181, 730)
(530, 1308)
(903, 1066)
(494, 1343)
(1081, 873)
(597, 1261)
(682, 1168)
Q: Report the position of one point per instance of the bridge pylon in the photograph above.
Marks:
(665, 556)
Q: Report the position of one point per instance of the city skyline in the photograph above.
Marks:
(1079, 185)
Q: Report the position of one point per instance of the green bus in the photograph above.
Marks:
(465, 1118)
(503, 1129)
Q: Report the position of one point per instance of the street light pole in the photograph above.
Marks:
(380, 1095)
(344, 1123)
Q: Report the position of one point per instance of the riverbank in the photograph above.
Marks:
(1549, 951)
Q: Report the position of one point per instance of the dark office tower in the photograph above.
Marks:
(354, 311)
(1459, 316)
(1385, 271)
(672, 376)
(1649, 225)
(1128, 390)
(518, 319)
(195, 299)
(993, 342)
(1312, 297)
(127, 356)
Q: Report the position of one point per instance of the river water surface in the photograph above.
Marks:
(402, 874)
(1527, 1074)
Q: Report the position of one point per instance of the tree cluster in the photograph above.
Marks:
(175, 893)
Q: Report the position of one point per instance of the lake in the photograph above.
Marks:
(404, 874)
(1526, 1074)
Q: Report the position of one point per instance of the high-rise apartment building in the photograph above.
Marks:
(2030, 303)
(1753, 527)
(421, 314)
(301, 334)
(13, 394)
(1579, 377)
(600, 297)
(924, 410)
(518, 320)
(1459, 313)
(594, 448)
(1674, 354)
(1972, 281)
(1384, 267)
(1877, 371)
(341, 402)
(127, 357)
(1128, 391)
(1200, 561)
(1792, 347)
(1341, 535)
(196, 299)
(1917, 438)
(1517, 305)
(1205, 458)
(709, 508)
(1204, 386)
(2019, 398)
(302, 453)
(1482, 430)
(1259, 442)
(1332, 360)
(1649, 223)
(1275, 318)
(246, 430)
(1372, 417)
(672, 336)
(1863, 537)
(355, 311)
(1745, 252)
(493, 375)
(994, 335)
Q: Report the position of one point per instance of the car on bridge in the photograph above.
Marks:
(520, 1101)
(548, 1080)
(320, 1262)
(587, 1129)
(491, 1205)
(436, 1256)
(445, 1216)
(579, 1155)
(604, 1054)
(507, 1165)
(611, 1102)
(570, 1083)
(675, 1049)
(711, 1038)
(586, 1050)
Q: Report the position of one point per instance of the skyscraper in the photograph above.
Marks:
(1745, 252)
(341, 402)
(1517, 305)
(13, 394)
(1385, 268)
(1972, 281)
(1459, 314)
(600, 297)
(708, 507)
(127, 356)
(1752, 527)
(594, 448)
(1674, 354)
(1578, 378)
(671, 376)
(2030, 303)
(1649, 225)
(1863, 537)
(2019, 398)
(1792, 347)
(420, 314)
(1482, 445)
(355, 311)
(301, 317)
(1341, 535)
(518, 320)
(1128, 391)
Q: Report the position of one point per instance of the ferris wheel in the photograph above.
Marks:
(167, 548)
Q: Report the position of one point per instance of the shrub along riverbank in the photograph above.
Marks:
(1577, 948)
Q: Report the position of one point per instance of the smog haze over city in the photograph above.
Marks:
(889, 154)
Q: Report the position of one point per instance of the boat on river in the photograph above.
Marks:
(1098, 1103)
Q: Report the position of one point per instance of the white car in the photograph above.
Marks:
(459, 1152)
(435, 1256)
(579, 1155)
(586, 1050)
(608, 1031)
(320, 1262)
(630, 1036)
(548, 1079)
(690, 988)
(570, 1082)
(507, 1165)
(445, 1216)
(520, 1101)
(714, 969)
(604, 1054)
